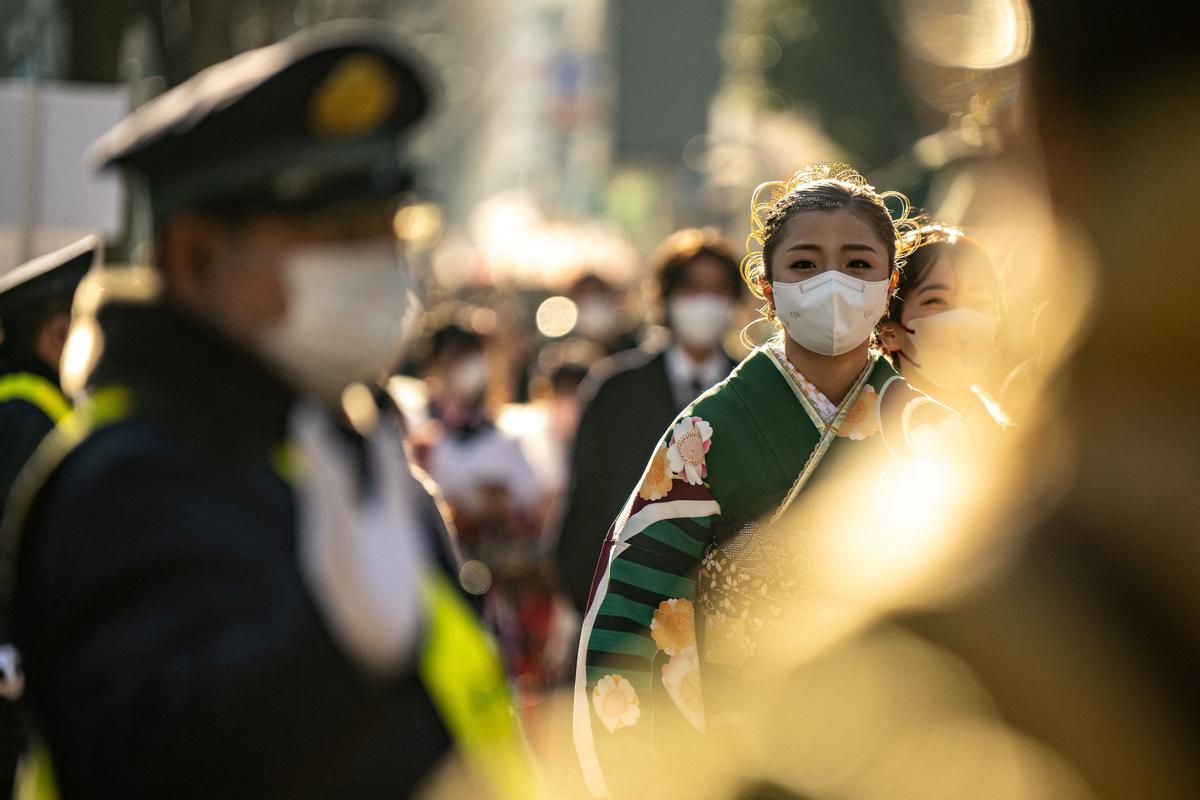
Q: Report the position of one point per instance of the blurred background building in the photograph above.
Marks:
(569, 131)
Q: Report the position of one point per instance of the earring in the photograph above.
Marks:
(769, 296)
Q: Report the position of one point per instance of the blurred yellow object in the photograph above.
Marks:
(354, 99)
(467, 683)
(35, 775)
(418, 224)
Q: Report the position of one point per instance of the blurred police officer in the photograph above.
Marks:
(35, 313)
(223, 590)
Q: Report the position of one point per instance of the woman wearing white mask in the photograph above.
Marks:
(673, 599)
(944, 322)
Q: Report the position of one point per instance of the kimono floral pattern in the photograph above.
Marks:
(681, 679)
(682, 458)
(616, 703)
(657, 483)
(690, 442)
(862, 420)
(744, 588)
(673, 627)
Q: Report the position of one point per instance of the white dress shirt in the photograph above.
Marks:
(689, 379)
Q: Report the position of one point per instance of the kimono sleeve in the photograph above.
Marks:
(638, 675)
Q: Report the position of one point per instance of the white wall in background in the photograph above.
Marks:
(49, 196)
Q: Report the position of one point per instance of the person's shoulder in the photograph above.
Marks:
(621, 371)
(24, 413)
(73, 470)
(130, 457)
(912, 422)
(726, 401)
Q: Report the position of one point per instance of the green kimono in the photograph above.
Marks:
(740, 454)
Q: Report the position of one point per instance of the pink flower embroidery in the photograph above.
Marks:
(689, 444)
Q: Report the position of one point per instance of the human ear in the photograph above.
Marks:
(52, 338)
(188, 251)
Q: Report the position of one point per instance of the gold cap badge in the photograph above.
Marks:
(356, 96)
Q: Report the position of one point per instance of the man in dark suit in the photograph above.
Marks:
(229, 583)
(630, 398)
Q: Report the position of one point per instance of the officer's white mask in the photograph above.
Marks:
(952, 349)
(831, 313)
(351, 313)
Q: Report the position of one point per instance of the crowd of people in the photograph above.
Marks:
(269, 531)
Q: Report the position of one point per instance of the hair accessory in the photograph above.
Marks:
(930, 231)
(773, 200)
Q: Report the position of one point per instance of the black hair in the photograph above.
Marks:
(832, 195)
(455, 340)
(679, 250)
(963, 250)
(19, 330)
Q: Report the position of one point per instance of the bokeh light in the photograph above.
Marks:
(556, 316)
(976, 34)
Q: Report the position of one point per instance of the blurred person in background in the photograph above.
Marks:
(942, 331)
(545, 426)
(495, 501)
(694, 575)
(600, 320)
(481, 471)
(229, 582)
(35, 313)
(629, 399)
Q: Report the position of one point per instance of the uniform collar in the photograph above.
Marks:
(190, 378)
(27, 363)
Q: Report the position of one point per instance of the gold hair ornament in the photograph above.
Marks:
(930, 231)
(771, 202)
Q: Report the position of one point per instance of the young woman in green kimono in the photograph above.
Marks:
(688, 585)
(943, 326)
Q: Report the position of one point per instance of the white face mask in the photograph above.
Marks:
(597, 318)
(831, 313)
(953, 349)
(351, 313)
(699, 321)
(468, 378)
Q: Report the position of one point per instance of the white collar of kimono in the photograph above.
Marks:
(826, 408)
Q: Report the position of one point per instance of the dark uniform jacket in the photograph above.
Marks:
(172, 648)
(23, 425)
(628, 403)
